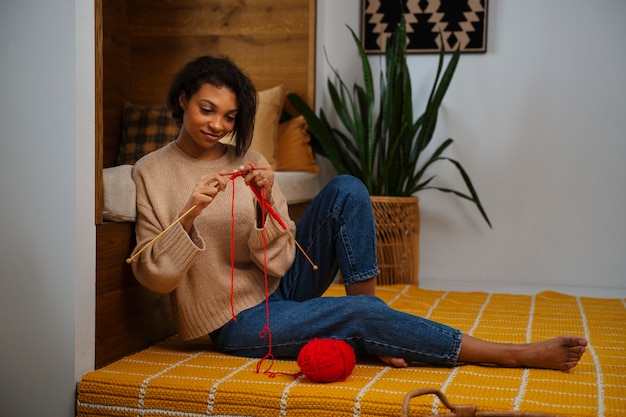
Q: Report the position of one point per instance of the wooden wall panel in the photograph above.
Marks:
(153, 85)
(219, 17)
(269, 39)
(98, 110)
(128, 316)
(129, 320)
(114, 243)
(117, 74)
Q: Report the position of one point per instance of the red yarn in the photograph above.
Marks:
(266, 331)
(232, 250)
(320, 360)
(326, 360)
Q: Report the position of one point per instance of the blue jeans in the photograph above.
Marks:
(337, 232)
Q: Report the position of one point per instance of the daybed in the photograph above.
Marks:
(193, 379)
(143, 369)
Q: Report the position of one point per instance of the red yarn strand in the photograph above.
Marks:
(266, 331)
(232, 250)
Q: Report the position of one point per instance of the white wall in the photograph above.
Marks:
(47, 247)
(539, 122)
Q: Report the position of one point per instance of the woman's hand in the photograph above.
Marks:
(262, 176)
(207, 187)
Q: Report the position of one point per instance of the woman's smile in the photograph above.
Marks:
(212, 136)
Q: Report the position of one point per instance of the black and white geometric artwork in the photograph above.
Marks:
(463, 24)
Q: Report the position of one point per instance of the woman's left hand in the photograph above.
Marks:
(262, 176)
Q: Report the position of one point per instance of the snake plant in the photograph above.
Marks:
(384, 146)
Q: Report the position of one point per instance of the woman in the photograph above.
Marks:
(214, 294)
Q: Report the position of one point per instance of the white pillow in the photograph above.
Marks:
(119, 194)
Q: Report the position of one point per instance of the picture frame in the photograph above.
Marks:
(463, 24)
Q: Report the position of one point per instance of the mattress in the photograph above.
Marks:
(176, 378)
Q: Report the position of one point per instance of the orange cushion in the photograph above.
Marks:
(294, 152)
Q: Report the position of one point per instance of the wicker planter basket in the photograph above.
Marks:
(397, 234)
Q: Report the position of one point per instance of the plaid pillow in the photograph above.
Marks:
(145, 129)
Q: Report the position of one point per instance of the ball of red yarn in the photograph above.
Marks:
(326, 360)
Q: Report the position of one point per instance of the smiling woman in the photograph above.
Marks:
(132, 121)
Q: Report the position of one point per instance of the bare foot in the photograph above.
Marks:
(393, 361)
(560, 353)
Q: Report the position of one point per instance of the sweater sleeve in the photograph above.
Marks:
(164, 264)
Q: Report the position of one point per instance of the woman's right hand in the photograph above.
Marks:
(207, 187)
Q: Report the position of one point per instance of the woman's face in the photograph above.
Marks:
(208, 116)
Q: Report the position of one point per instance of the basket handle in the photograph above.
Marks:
(464, 410)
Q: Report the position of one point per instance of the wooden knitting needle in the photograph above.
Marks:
(269, 208)
(301, 250)
(157, 237)
(272, 212)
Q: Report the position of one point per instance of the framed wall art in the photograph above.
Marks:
(463, 24)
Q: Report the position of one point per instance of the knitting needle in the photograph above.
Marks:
(129, 260)
(301, 250)
(265, 204)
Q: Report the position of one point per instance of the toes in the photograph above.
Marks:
(386, 359)
(396, 362)
(399, 362)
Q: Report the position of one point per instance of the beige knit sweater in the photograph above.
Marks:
(196, 267)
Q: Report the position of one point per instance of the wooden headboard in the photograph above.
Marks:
(140, 44)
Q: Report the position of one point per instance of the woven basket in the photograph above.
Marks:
(397, 238)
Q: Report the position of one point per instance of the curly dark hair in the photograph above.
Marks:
(219, 72)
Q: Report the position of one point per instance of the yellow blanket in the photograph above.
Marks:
(175, 378)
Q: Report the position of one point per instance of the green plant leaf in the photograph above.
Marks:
(471, 189)
(380, 140)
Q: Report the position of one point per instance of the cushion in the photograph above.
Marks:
(298, 186)
(269, 109)
(144, 129)
(119, 194)
(294, 152)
